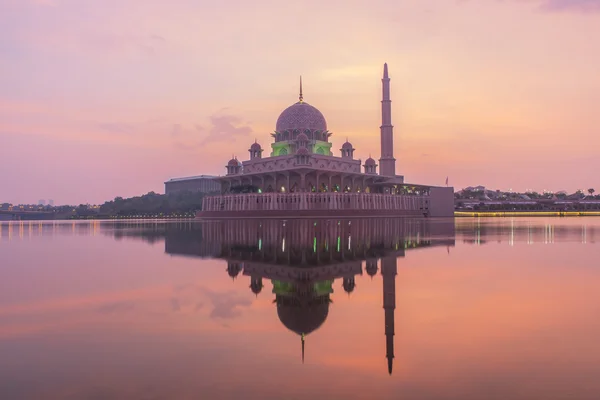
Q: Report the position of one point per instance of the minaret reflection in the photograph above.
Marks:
(389, 271)
(303, 258)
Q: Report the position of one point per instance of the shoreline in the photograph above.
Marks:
(459, 214)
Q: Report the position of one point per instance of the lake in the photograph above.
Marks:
(505, 308)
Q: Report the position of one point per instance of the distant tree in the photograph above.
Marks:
(591, 191)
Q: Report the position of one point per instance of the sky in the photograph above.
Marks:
(110, 98)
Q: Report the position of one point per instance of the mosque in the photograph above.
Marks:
(301, 176)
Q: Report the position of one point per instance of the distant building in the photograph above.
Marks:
(51, 203)
(42, 202)
(5, 206)
(474, 189)
(201, 183)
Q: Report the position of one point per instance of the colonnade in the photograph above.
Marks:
(314, 201)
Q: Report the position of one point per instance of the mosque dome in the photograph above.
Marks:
(233, 163)
(301, 116)
(370, 162)
(255, 147)
(302, 151)
(347, 146)
(302, 137)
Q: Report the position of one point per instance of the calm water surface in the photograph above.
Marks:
(297, 309)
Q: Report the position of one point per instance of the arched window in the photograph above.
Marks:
(283, 152)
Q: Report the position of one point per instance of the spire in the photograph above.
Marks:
(387, 162)
(300, 97)
(302, 338)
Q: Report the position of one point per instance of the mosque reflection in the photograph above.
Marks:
(303, 258)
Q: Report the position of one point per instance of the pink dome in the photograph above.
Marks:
(347, 146)
(301, 116)
(370, 162)
(302, 151)
(233, 163)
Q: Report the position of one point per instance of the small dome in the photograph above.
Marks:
(349, 284)
(370, 162)
(302, 151)
(347, 146)
(301, 116)
(233, 269)
(256, 285)
(372, 268)
(255, 147)
(302, 137)
(233, 163)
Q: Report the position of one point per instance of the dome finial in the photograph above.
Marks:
(300, 97)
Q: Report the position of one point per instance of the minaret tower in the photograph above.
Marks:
(387, 162)
(389, 271)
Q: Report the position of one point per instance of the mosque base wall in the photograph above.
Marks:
(307, 204)
(308, 214)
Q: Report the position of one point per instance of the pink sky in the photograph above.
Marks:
(111, 98)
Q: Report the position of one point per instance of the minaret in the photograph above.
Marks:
(387, 162)
(389, 271)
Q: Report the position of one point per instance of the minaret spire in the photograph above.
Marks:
(300, 97)
(387, 162)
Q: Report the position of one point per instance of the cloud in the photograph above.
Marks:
(176, 130)
(581, 6)
(222, 128)
(226, 305)
(225, 128)
(115, 307)
(571, 5)
(175, 306)
(50, 3)
(115, 127)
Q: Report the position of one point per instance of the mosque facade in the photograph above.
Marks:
(301, 175)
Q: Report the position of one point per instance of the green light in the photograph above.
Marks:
(315, 245)
(338, 246)
(260, 244)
